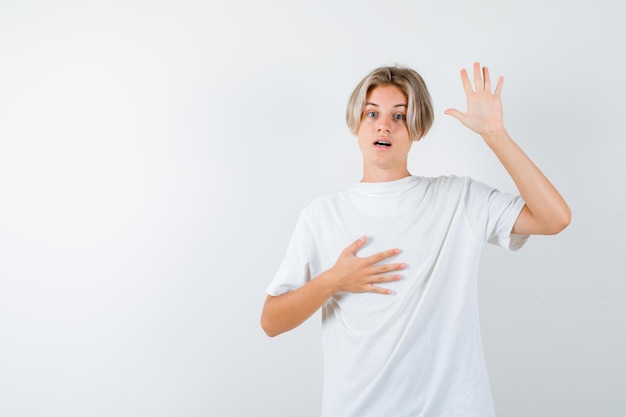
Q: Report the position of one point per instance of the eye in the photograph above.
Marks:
(399, 116)
(372, 114)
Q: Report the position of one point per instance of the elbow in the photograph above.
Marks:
(267, 326)
(267, 329)
(270, 332)
(567, 219)
(560, 223)
(272, 322)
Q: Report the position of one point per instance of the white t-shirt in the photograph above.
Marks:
(417, 352)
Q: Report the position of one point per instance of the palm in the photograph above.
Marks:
(484, 108)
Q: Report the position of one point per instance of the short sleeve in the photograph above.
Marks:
(296, 267)
(492, 215)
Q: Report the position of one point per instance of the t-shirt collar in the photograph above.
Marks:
(385, 189)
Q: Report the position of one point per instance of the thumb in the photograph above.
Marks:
(456, 114)
(356, 245)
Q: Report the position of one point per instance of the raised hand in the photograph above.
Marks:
(353, 274)
(484, 108)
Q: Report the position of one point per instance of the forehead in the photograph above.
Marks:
(385, 94)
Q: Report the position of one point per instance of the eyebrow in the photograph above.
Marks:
(376, 105)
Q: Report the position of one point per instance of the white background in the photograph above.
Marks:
(154, 156)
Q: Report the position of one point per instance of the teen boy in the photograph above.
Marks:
(400, 325)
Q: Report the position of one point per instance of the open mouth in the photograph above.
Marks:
(382, 143)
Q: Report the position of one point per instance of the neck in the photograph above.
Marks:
(384, 175)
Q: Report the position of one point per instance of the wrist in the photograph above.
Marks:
(493, 137)
(326, 283)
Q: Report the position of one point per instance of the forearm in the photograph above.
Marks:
(287, 311)
(549, 212)
(349, 274)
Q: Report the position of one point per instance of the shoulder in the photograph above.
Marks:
(464, 190)
(449, 180)
(450, 184)
(323, 204)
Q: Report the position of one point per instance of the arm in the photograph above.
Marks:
(350, 273)
(545, 212)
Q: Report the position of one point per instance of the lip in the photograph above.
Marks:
(383, 139)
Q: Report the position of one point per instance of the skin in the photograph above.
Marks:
(384, 118)
(545, 211)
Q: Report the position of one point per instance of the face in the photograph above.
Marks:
(383, 134)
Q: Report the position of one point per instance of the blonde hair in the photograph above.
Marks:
(420, 113)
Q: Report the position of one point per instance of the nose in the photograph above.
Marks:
(383, 125)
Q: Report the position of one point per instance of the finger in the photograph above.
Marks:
(381, 256)
(353, 248)
(499, 86)
(381, 269)
(456, 114)
(467, 85)
(386, 279)
(487, 80)
(378, 290)
(478, 80)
